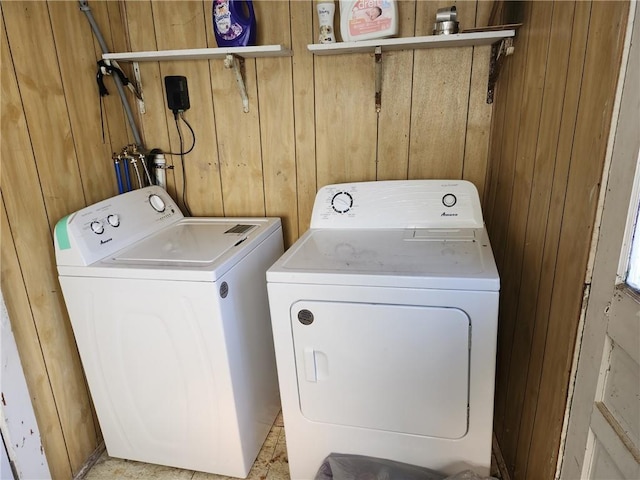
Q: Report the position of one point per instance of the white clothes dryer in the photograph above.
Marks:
(171, 320)
(384, 316)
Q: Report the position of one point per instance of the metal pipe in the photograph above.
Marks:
(84, 6)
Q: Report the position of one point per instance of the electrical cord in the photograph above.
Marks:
(193, 135)
(182, 154)
(177, 114)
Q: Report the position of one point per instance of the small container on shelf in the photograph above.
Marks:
(446, 21)
(234, 23)
(326, 10)
(368, 19)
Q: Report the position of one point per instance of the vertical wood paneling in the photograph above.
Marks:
(545, 160)
(31, 354)
(495, 148)
(529, 120)
(545, 165)
(436, 148)
(440, 99)
(345, 118)
(153, 124)
(277, 121)
(476, 149)
(540, 21)
(606, 38)
(553, 225)
(303, 33)
(238, 136)
(73, 34)
(502, 205)
(238, 141)
(111, 21)
(29, 210)
(34, 57)
(395, 115)
(108, 17)
(182, 24)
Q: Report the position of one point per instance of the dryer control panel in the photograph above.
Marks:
(100, 230)
(398, 204)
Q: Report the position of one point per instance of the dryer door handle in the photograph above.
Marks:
(310, 371)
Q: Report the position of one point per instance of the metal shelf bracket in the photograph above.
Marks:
(236, 64)
(499, 51)
(138, 79)
(378, 69)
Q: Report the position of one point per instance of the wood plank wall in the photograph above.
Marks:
(549, 137)
(311, 122)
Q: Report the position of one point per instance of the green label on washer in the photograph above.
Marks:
(62, 234)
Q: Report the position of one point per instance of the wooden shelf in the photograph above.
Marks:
(260, 51)
(409, 43)
(232, 57)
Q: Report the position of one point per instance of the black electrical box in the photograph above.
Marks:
(177, 93)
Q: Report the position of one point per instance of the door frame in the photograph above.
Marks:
(617, 194)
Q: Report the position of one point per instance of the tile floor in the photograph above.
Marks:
(271, 464)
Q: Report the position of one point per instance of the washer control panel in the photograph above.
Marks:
(398, 204)
(100, 230)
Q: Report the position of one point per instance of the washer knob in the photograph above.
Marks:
(449, 200)
(157, 203)
(114, 220)
(97, 227)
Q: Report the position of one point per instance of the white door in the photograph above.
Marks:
(603, 434)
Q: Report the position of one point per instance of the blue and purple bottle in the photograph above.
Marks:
(234, 23)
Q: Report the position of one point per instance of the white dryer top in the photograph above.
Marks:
(414, 234)
(441, 259)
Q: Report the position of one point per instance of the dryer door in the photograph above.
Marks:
(386, 367)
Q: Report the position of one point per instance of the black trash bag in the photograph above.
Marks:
(338, 466)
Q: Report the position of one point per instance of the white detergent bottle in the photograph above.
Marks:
(368, 19)
(326, 10)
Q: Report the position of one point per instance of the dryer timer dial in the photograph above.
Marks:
(449, 200)
(342, 202)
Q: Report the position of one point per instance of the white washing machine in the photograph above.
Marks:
(171, 319)
(384, 316)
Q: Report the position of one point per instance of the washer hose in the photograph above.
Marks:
(84, 6)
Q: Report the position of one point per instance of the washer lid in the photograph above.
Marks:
(450, 259)
(193, 249)
(187, 243)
